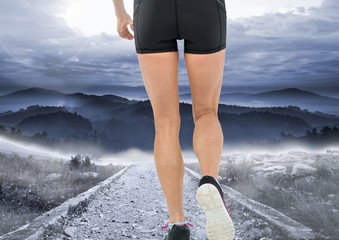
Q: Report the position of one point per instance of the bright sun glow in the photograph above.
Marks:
(93, 17)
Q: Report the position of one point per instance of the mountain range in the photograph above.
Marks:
(282, 97)
(45, 97)
(116, 123)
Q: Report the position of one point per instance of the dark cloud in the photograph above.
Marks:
(297, 48)
(37, 48)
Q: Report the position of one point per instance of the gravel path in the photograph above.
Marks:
(133, 207)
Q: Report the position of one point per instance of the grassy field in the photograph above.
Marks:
(30, 187)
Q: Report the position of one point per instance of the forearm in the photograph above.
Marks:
(119, 7)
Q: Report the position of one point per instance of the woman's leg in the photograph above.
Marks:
(160, 75)
(205, 73)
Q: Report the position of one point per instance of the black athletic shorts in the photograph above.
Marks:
(159, 23)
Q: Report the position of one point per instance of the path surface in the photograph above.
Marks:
(133, 207)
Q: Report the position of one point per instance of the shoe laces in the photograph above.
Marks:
(163, 228)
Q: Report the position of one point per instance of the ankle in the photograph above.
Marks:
(177, 220)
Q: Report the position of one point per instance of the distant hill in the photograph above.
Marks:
(101, 108)
(34, 91)
(293, 94)
(284, 97)
(45, 97)
(314, 119)
(58, 124)
(14, 118)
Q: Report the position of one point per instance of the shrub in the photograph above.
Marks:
(80, 162)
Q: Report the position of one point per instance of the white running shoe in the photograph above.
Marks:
(219, 224)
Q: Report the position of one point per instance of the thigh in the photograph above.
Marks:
(160, 76)
(205, 74)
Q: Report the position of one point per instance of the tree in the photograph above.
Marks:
(75, 162)
(15, 131)
(87, 162)
(326, 132)
(311, 134)
(80, 162)
(41, 136)
(2, 129)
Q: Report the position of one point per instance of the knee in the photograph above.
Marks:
(197, 114)
(167, 124)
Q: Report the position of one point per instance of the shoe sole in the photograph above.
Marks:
(219, 225)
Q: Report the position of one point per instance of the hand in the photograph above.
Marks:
(122, 22)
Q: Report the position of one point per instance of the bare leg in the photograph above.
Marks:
(205, 73)
(160, 75)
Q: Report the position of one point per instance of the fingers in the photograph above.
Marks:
(124, 32)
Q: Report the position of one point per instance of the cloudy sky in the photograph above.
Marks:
(72, 45)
